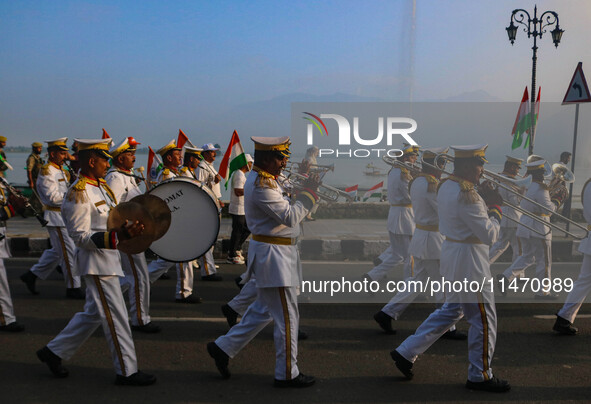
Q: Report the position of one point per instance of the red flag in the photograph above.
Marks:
(182, 139)
(353, 188)
(105, 134)
(151, 156)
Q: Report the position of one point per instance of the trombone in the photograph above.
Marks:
(500, 181)
(324, 192)
(392, 161)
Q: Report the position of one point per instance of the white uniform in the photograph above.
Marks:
(206, 174)
(85, 210)
(508, 227)
(400, 224)
(52, 185)
(468, 230)
(536, 249)
(160, 266)
(425, 246)
(274, 259)
(582, 285)
(135, 267)
(6, 309)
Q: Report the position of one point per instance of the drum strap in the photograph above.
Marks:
(274, 240)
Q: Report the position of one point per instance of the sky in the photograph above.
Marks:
(148, 68)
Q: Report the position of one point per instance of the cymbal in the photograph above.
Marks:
(132, 211)
(159, 211)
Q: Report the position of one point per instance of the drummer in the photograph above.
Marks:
(184, 270)
(208, 175)
(125, 186)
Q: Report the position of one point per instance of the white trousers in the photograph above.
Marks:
(6, 308)
(506, 238)
(482, 334)
(184, 279)
(104, 305)
(157, 268)
(536, 251)
(207, 263)
(399, 255)
(245, 298)
(272, 304)
(137, 281)
(63, 251)
(580, 290)
(423, 269)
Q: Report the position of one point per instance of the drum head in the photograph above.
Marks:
(195, 220)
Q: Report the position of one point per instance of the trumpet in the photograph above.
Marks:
(513, 187)
(325, 192)
(392, 161)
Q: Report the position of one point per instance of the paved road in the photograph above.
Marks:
(346, 352)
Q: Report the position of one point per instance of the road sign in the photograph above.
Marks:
(577, 91)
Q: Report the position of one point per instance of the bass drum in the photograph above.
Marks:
(195, 220)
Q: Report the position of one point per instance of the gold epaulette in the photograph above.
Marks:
(264, 179)
(405, 174)
(183, 170)
(165, 171)
(44, 169)
(468, 193)
(67, 175)
(432, 182)
(76, 191)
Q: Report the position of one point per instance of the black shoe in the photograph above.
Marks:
(404, 365)
(493, 385)
(53, 361)
(75, 293)
(165, 276)
(139, 378)
(230, 314)
(29, 279)
(502, 284)
(191, 299)
(221, 359)
(12, 327)
(385, 322)
(455, 335)
(211, 278)
(300, 381)
(302, 335)
(564, 327)
(237, 281)
(149, 328)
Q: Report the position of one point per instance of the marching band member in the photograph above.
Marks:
(400, 218)
(85, 211)
(8, 321)
(536, 249)
(124, 184)
(52, 185)
(184, 270)
(425, 246)
(171, 160)
(240, 230)
(470, 223)
(567, 314)
(274, 260)
(508, 227)
(3, 164)
(34, 164)
(208, 176)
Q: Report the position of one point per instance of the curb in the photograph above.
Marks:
(310, 249)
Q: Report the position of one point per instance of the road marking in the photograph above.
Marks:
(190, 319)
(553, 317)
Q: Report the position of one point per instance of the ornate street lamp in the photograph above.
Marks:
(535, 27)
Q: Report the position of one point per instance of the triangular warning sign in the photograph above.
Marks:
(577, 90)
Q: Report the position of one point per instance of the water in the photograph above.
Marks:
(347, 172)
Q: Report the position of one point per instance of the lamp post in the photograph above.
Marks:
(535, 27)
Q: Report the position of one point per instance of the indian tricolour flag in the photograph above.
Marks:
(352, 191)
(233, 160)
(522, 125)
(374, 192)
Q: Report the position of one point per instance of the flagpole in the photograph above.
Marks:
(532, 131)
(568, 203)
